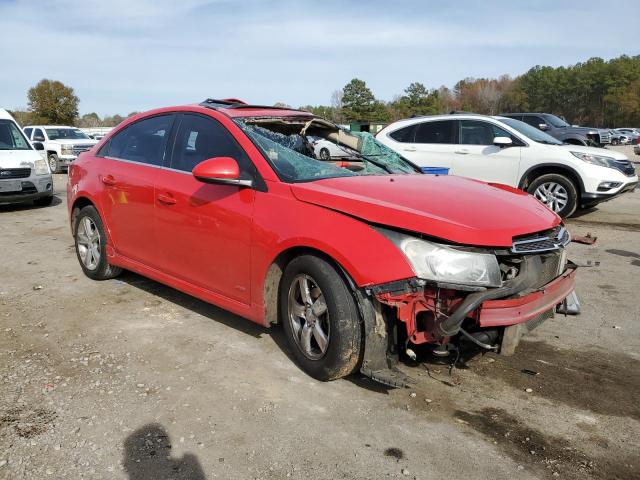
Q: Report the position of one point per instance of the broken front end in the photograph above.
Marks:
(487, 298)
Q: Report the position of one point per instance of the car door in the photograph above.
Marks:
(428, 143)
(129, 165)
(477, 157)
(203, 229)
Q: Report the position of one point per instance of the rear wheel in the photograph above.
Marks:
(54, 163)
(320, 318)
(557, 192)
(91, 245)
(324, 154)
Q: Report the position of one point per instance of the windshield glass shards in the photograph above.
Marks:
(307, 150)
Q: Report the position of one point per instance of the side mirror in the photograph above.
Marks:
(38, 138)
(220, 170)
(502, 142)
(38, 146)
(543, 126)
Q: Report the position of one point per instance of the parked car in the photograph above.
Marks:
(618, 138)
(227, 202)
(561, 130)
(636, 147)
(24, 174)
(631, 133)
(61, 144)
(511, 152)
(326, 150)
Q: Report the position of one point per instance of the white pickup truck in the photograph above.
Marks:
(61, 144)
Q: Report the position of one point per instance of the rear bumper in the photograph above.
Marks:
(513, 311)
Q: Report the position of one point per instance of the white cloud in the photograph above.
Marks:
(130, 55)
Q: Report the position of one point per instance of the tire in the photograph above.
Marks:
(339, 320)
(54, 163)
(43, 201)
(559, 188)
(324, 154)
(99, 269)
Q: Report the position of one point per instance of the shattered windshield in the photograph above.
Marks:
(301, 152)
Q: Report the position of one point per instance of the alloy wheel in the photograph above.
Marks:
(88, 242)
(553, 195)
(309, 317)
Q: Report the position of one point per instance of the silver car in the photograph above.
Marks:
(24, 173)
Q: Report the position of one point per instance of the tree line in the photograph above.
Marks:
(595, 93)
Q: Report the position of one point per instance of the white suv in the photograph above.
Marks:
(24, 174)
(508, 151)
(61, 144)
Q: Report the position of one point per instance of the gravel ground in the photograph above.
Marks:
(128, 379)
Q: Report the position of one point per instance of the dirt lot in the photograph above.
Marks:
(128, 379)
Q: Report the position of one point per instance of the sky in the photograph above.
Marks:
(133, 55)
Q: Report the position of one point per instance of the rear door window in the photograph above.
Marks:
(440, 131)
(142, 142)
(404, 135)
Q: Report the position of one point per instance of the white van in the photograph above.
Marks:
(24, 173)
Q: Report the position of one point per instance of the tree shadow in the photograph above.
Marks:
(147, 456)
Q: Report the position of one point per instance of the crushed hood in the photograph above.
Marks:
(451, 208)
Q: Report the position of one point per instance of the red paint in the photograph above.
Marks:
(217, 242)
(499, 313)
(219, 167)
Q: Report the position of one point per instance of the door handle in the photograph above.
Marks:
(462, 152)
(108, 180)
(166, 199)
(409, 149)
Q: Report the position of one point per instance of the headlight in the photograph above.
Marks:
(67, 149)
(594, 159)
(41, 167)
(432, 261)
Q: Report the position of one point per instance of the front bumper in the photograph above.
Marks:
(512, 311)
(589, 198)
(33, 187)
(66, 159)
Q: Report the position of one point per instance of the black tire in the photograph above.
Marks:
(325, 154)
(566, 183)
(43, 201)
(342, 355)
(102, 270)
(54, 163)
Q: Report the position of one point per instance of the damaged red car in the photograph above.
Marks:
(359, 256)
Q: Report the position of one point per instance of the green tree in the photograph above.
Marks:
(90, 120)
(358, 102)
(54, 102)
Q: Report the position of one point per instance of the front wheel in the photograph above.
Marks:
(91, 245)
(320, 318)
(324, 154)
(557, 192)
(54, 163)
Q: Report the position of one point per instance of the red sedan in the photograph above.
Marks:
(359, 257)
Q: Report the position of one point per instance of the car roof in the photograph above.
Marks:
(237, 109)
(5, 115)
(430, 118)
(49, 126)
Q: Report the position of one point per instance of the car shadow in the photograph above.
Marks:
(19, 207)
(147, 456)
(207, 310)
